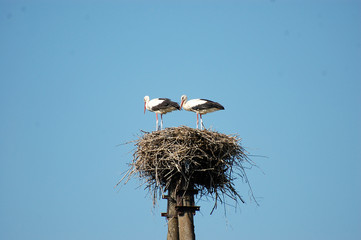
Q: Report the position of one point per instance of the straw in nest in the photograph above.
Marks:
(204, 160)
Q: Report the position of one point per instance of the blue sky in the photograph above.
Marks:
(73, 75)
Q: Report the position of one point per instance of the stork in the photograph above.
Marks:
(200, 106)
(160, 105)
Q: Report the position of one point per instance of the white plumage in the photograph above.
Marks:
(161, 106)
(200, 106)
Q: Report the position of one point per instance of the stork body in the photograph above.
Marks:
(161, 106)
(200, 106)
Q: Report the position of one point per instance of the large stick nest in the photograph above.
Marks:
(205, 160)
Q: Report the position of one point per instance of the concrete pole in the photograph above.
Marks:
(185, 218)
(173, 230)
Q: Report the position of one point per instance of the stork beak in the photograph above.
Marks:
(181, 105)
(144, 107)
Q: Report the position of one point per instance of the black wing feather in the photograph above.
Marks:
(208, 104)
(166, 104)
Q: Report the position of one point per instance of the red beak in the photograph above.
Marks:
(181, 105)
(145, 107)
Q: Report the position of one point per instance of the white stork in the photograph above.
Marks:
(160, 105)
(200, 106)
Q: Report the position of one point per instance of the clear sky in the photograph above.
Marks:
(73, 75)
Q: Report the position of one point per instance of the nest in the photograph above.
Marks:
(203, 160)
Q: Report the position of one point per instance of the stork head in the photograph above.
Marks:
(146, 100)
(183, 100)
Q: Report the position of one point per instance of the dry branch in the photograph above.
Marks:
(206, 160)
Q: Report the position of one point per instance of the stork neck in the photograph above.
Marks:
(185, 105)
(147, 104)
